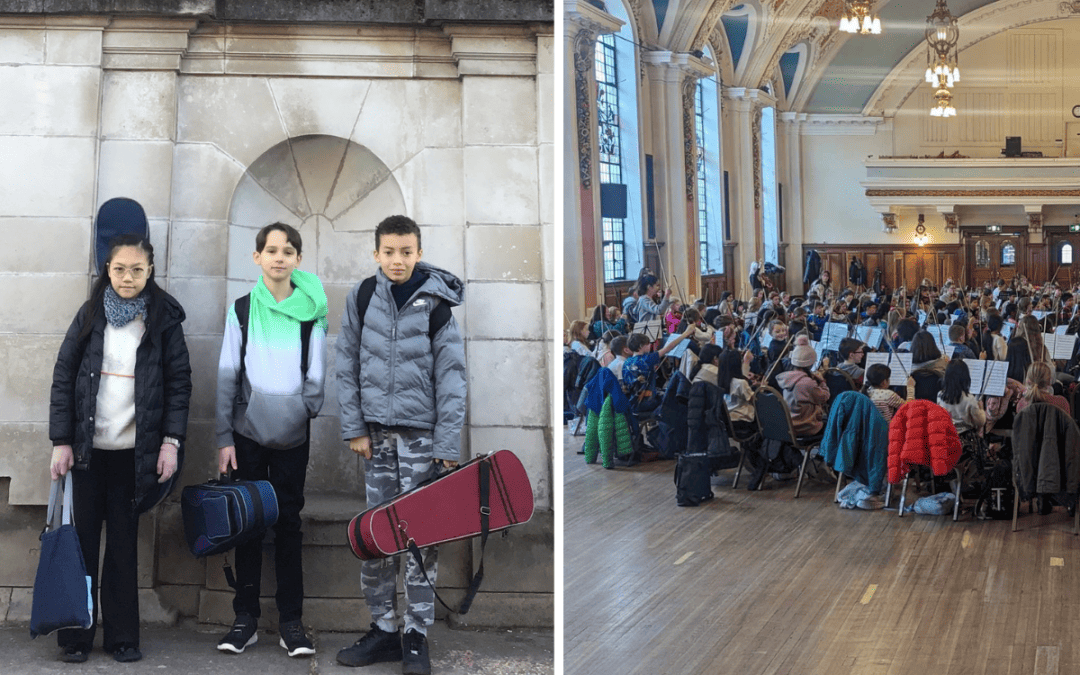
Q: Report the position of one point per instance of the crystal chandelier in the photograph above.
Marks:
(942, 58)
(857, 18)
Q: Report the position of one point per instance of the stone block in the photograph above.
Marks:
(22, 601)
(433, 113)
(545, 108)
(499, 253)
(507, 610)
(516, 314)
(330, 397)
(237, 114)
(203, 182)
(183, 599)
(547, 242)
(49, 101)
(531, 447)
(139, 170)
(159, 239)
(199, 248)
(499, 111)
(327, 515)
(383, 124)
(545, 54)
(521, 559)
(253, 206)
(332, 467)
(365, 192)
(22, 527)
(546, 157)
(26, 461)
(322, 614)
(318, 159)
(444, 247)
(5, 603)
(275, 171)
(506, 383)
(46, 176)
(200, 457)
(22, 46)
(336, 295)
(68, 247)
(319, 106)
(550, 300)
(139, 104)
(26, 375)
(175, 564)
(203, 299)
(73, 47)
(203, 353)
(241, 263)
(500, 186)
(341, 256)
(27, 295)
(154, 610)
(434, 186)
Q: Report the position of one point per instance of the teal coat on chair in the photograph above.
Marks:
(856, 440)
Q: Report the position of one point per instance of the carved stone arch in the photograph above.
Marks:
(722, 55)
(757, 16)
(710, 23)
(803, 48)
(642, 19)
(824, 44)
(679, 29)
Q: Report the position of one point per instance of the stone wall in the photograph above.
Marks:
(219, 128)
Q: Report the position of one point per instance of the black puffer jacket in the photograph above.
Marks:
(706, 426)
(162, 389)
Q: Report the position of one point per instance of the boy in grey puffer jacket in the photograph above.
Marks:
(401, 386)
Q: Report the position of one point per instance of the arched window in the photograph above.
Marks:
(1008, 254)
(982, 254)
(620, 160)
(710, 236)
(770, 234)
(1065, 253)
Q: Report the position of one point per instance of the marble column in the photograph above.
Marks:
(790, 170)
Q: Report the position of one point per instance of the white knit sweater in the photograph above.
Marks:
(114, 421)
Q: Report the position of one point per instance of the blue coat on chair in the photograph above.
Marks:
(856, 440)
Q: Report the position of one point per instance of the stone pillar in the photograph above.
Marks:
(1035, 223)
(791, 171)
(673, 78)
(745, 209)
(582, 233)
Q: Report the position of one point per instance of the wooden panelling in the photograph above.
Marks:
(900, 265)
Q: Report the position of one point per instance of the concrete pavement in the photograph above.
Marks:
(190, 649)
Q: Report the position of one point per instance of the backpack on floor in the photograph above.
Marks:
(998, 493)
(692, 473)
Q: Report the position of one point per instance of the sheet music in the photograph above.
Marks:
(1039, 314)
(1060, 345)
(765, 339)
(871, 335)
(922, 317)
(899, 366)
(948, 351)
(832, 334)
(650, 329)
(1060, 330)
(987, 377)
(1006, 330)
(678, 350)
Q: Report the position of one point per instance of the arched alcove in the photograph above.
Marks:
(332, 190)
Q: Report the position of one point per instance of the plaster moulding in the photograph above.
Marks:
(907, 77)
(844, 125)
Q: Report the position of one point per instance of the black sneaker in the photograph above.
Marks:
(126, 653)
(376, 646)
(294, 640)
(243, 634)
(75, 653)
(414, 653)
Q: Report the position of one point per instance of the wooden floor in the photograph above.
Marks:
(758, 582)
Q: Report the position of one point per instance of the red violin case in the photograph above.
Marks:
(446, 508)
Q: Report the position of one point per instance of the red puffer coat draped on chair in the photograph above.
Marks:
(922, 433)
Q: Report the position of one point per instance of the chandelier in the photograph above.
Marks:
(857, 18)
(942, 58)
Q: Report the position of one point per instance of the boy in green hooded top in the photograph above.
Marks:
(263, 423)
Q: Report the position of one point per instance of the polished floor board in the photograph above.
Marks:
(762, 583)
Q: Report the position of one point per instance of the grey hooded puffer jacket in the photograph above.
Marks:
(395, 375)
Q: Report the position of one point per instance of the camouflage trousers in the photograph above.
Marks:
(400, 459)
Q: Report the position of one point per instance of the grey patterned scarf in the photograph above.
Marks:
(120, 311)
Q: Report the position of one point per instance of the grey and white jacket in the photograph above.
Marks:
(396, 376)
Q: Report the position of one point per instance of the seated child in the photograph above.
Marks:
(885, 400)
(804, 391)
(620, 351)
(852, 353)
(1038, 389)
(578, 339)
(955, 396)
(638, 367)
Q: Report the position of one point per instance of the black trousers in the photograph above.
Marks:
(286, 470)
(106, 493)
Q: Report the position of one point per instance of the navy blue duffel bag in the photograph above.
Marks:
(222, 514)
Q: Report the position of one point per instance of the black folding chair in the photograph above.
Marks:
(838, 381)
(741, 440)
(774, 421)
